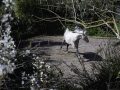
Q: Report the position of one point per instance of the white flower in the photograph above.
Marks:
(48, 66)
(40, 66)
(3, 58)
(2, 69)
(41, 79)
(34, 55)
(27, 52)
(41, 74)
(42, 62)
(11, 1)
(5, 18)
(32, 80)
(22, 82)
(37, 57)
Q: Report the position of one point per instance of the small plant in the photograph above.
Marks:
(45, 76)
(32, 72)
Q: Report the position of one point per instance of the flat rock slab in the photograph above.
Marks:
(49, 47)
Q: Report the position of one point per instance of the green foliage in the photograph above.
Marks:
(29, 14)
(100, 31)
(32, 14)
(35, 12)
(93, 31)
(23, 7)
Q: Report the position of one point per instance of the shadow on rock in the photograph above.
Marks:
(38, 43)
(45, 43)
(91, 56)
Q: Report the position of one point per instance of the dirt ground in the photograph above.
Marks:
(49, 47)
